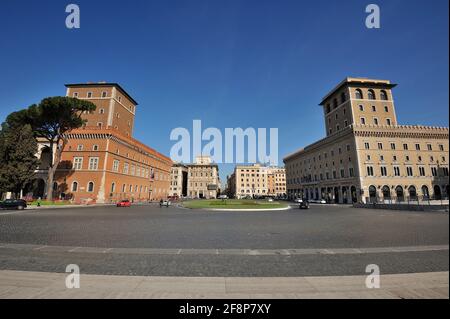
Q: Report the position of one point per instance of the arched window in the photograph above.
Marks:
(372, 193)
(113, 187)
(386, 192)
(412, 192)
(437, 192)
(74, 186)
(383, 95)
(343, 97)
(359, 94)
(371, 95)
(399, 193)
(425, 192)
(90, 187)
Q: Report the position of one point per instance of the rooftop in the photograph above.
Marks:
(359, 81)
(102, 84)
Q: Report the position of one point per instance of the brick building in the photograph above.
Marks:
(102, 162)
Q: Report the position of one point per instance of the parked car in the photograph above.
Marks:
(124, 203)
(304, 205)
(298, 200)
(166, 203)
(222, 197)
(13, 204)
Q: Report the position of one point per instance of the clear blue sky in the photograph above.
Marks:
(247, 63)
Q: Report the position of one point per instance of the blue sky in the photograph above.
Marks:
(247, 63)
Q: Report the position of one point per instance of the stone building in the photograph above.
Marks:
(203, 178)
(366, 155)
(178, 180)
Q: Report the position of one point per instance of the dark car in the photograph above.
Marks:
(13, 204)
(304, 204)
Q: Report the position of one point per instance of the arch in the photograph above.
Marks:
(336, 195)
(425, 192)
(354, 194)
(359, 94)
(90, 187)
(412, 192)
(399, 193)
(335, 103)
(437, 192)
(371, 95)
(372, 194)
(345, 194)
(74, 186)
(386, 192)
(383, 95)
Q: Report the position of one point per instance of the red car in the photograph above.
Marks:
(124, 203)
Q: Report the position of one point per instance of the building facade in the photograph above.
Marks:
(178, 180)
(251, 181)
(366, 155)
(203, 178)
(102, 162)
(276, 181)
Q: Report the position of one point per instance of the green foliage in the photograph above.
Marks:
(51, 119)
(17, 157)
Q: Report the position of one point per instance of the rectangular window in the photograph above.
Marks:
(383, 171)
(417, 147)
(434, 171)
(380, 146)
(79, 147)
(351, 172)
(133, 170)
(409, 171)
(125, 168)
(430, 148)
(369, 171)
(115, 165)
(392, 146)
(89, 94)
(363, 121)
(366, 146)
(77, 163)
(396, 171)
(441, 147)
(388, 122)
(445, 171)
(422, 171)
(93, 163)
(405, 147)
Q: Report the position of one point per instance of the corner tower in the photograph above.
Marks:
(359, 101)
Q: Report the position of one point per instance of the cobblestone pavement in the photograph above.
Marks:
(153, 241)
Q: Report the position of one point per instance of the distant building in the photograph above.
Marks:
(276, 181)
(203, 178)
(366, 155)
(178, 180)
(102, 162)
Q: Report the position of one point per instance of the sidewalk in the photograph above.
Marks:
(22, 284)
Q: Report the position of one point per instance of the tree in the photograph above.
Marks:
(18, 148)
(51, 120)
